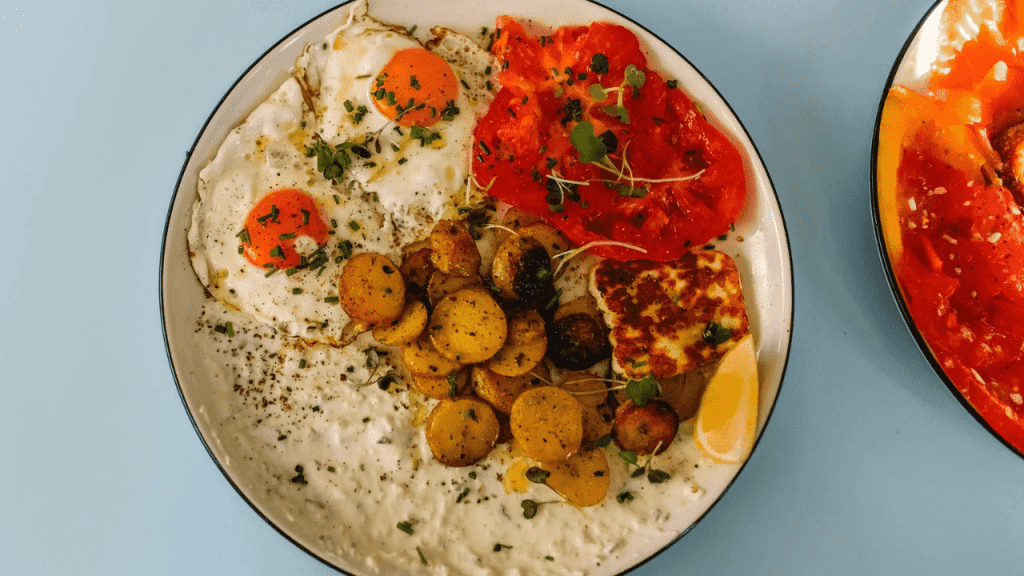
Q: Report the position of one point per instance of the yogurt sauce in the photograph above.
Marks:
(337, 462)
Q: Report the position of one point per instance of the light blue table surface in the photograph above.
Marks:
(868, 466)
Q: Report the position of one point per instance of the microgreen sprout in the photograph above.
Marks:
(654, 475)
(565, 257)
(537, 475)
(639, 391)
(499, 227)
(471, 182)
(530, 507)
(633, 77)
(596, 149)
(542, 379)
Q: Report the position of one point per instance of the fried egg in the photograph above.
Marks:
(412, 110)
(269, 234)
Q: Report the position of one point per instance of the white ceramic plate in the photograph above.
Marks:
(763, 256)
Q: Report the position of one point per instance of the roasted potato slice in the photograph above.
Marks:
(550, 238)
(417, 269)
(598, 421)
(586, 304)
(578, 341)
(588, 389)
(502, 391)
(518, 359)
(517, 218)
(441, 285)
(582, 479)
(592, 394)
(526, 326)
(468, 326)
(461, 430)
(452, 249)
(525, 346)
(522, 270)
(441, 388)
(547, 423)
(371, 289)
(406, 328)
(641, 428)
(422, 359)
(683, 392)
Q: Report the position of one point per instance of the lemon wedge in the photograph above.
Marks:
(727, 418)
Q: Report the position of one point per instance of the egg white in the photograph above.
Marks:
(266, 153)
(378, 204)
(417, 185)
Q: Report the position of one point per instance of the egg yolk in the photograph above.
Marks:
(416, 86)
(279, 220)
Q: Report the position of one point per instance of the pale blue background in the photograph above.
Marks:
(869, 466)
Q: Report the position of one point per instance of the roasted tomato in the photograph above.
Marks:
(583, 133)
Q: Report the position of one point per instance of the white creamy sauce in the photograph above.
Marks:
(366, 467)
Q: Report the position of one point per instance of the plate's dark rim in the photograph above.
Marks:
(883, 253)
(195, 425)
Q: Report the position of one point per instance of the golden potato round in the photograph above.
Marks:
(578, 341)
(517, 218)
(525, 346)
(547, 422)
(585, 304)
(518, 359)
(441, 388)
(549, 237)
(452, 249)
(406, 328)
(588, 389)
(597, 422)
(525, 327)
(441, 285)
(502, 391)
(461, 430)
(468, 326)
(417, 268)
(422, 359)
(371, 289)
(522, 270)
(641, 429)
(684, 391)
(582, 479)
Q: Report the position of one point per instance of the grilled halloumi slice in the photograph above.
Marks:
(667, 318)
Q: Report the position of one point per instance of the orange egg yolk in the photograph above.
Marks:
(415, 87)
(273, 226)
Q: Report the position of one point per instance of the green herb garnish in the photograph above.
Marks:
(715, 333)
(537, 475)
(642, 390)
(529, 509)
